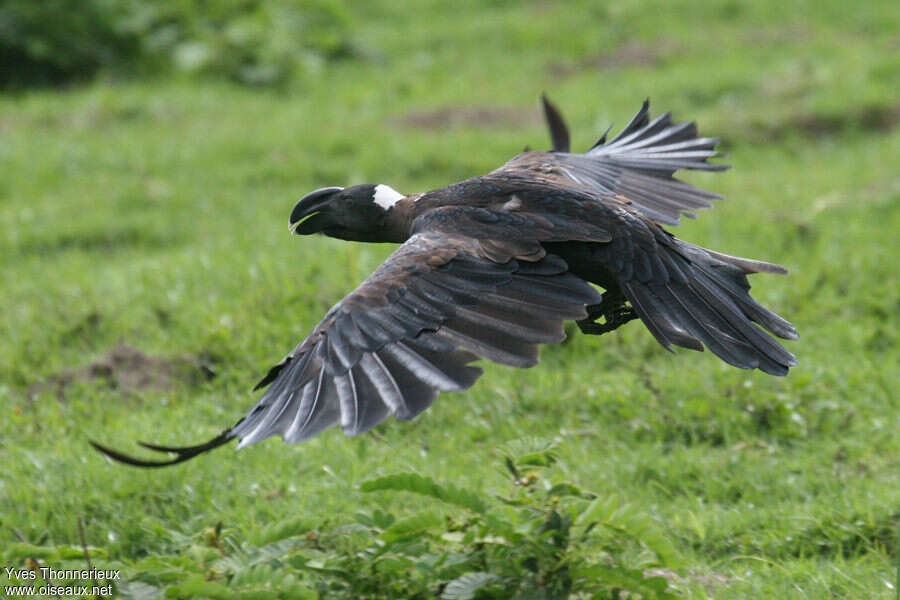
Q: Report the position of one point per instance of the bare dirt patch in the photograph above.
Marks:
(767, 35)
(468, 116)
(631, 54)
(870, 119)
(130, 369)
(108, 240)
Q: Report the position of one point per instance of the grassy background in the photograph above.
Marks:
(153, 214)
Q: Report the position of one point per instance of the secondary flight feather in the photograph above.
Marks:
(492, 267)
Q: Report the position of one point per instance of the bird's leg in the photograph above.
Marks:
(613, 309)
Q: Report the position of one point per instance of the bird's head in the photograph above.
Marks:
(356, 213)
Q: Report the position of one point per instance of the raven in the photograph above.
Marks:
(493, 266)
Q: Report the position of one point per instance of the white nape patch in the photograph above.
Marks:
(514, 203)
(386, 196)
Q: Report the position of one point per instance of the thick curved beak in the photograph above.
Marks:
(309, 206)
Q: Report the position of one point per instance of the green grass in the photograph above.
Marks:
(154, 214)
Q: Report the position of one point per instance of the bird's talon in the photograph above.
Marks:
(613, 312)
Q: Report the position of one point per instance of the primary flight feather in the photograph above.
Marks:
(493, 266)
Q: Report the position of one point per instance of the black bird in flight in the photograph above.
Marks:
(493, 266)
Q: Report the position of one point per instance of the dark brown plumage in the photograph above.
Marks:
(493, 266)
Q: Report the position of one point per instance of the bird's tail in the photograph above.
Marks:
(658, 146)
(693, 297)
(640, 162)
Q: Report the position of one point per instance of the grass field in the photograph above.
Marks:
(148, 280)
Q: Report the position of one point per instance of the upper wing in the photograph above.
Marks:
(637, 165)
(394, 343)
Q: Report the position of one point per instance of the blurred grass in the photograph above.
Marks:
(252, 42)
(153, 213)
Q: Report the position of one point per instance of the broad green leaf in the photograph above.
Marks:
(260, 593)
(601, 577)
(411, 482)
(544, 458)
(467, 585)
(565, 489)
(20, 551)
(138, 590)
(530, 451)
(412, 526)
(611, 512)
(250, 556)
(282, 530)
(196, 587)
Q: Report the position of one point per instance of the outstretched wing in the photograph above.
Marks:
(405, 334)
(637, 165)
